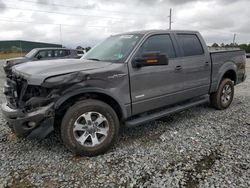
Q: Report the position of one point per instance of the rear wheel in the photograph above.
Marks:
(89, 128)
(224, 95)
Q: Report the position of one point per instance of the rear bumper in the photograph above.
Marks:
(35, 124)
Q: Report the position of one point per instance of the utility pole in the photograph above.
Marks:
(170, 19)
(60, 33)
(234, 39)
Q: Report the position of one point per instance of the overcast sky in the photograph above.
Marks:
(87, 22)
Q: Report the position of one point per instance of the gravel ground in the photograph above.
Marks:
(200, 147)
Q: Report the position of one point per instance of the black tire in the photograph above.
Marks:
(216, 99)
(78, 110)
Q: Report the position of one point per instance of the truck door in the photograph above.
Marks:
(196, 65)
(155, 86)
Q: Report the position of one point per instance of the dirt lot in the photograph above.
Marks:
(10, 55)
(200, 147)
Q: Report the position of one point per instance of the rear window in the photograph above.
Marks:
(59, 53)
(190, 44)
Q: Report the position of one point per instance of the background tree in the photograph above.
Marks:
(215, 45)
(245, 47)
(79, 48)
(87, 48)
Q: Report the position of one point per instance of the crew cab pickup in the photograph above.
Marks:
(126, 80)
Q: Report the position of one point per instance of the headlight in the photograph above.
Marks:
(57, 81)
(8, 62)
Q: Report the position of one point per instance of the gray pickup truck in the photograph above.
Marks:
(126, 80)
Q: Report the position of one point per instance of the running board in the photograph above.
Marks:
(166, 111)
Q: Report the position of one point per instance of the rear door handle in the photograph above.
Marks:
(178, 67)
(207, 63)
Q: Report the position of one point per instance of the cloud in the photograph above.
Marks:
(61, 5)
(183, 2)
(42, 1)
(217, 20)
(2, 6)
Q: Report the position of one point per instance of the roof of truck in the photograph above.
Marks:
(143, 32)
(53, 48)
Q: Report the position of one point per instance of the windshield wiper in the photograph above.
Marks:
(94, 59)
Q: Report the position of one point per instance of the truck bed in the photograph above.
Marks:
(219, 58)
(211, 49)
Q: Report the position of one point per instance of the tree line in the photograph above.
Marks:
(245, 47)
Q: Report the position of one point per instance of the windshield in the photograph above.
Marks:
(31, 53)
(114, 48)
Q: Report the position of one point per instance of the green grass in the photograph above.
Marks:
(10, 55)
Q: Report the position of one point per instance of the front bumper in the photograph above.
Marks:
(244, 77)
(35, 124)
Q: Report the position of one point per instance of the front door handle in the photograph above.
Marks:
(179, 67)
(207, 63)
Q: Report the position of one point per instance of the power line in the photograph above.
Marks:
(58, 25)
(61, 13)
(76, 7)
(40, 23)
(60, 29)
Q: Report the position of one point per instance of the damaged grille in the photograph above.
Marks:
(21, 95)
(14, 89)
(7, 68)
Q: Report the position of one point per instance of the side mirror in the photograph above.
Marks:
(150, 59)
(39, 56)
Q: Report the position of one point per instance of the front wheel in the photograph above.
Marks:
(224, 95)
(89, 128)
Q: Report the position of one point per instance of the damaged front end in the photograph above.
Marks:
(34, 89)
(29, 109)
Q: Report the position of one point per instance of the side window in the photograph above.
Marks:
(159, 43)
(50, 53)
(42, 54)
(59, 53)
(56, 53)
(190, 44)
(66, 52)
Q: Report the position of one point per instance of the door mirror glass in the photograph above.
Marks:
(150, 59)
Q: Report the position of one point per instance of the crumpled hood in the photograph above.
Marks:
(37, 71)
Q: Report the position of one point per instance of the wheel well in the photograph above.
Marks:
(98, 96)
(231, 75)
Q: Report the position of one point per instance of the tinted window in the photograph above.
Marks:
(60, 53)
(45, 54)
(190, 44)
(67, 52)
(159, 43)
(50, 53)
